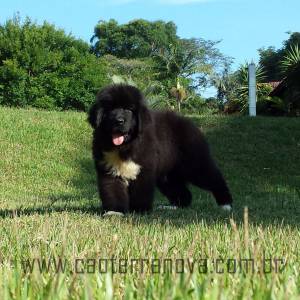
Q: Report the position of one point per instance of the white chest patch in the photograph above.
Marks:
(127, 169)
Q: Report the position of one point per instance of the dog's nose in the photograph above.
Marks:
(120, 120)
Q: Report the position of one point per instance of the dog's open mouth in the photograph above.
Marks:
(118, 139)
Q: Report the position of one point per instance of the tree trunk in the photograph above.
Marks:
(179, 105)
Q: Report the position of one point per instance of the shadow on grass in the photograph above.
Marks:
(47, 210)
(259, 159)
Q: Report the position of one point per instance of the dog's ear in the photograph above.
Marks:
(95, 115)
(144, 117)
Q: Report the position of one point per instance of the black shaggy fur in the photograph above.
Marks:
(170, 149)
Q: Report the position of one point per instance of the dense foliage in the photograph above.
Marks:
(291, 82)
(283, 65)
(43, 67)
(280, 65)
(271, 58)
(136, 39)
(157, 60)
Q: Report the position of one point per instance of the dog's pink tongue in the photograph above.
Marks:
(118, 139)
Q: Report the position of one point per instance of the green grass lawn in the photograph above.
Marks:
(49, 209)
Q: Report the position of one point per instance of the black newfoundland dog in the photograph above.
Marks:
(136, 149)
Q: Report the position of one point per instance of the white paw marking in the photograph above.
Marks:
(226, 207)
(171, 207)
(113, 213)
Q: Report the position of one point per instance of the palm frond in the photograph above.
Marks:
(291, 59)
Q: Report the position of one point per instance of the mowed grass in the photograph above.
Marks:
(49, 209)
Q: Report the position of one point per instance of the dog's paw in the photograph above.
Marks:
(170, 207)
(113, 213)
(226, 207)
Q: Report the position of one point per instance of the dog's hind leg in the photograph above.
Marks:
(210, 178)
(175, 190)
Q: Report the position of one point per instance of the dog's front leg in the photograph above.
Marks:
(113, 193)
(141, 192)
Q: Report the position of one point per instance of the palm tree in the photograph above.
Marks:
(179, 92)
(291, 70)
(242, 78)
(291, 60)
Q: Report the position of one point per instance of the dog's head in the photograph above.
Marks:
(119, 114)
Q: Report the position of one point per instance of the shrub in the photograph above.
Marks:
(42, 66)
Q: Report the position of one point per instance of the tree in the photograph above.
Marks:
(270, 58)
(41, 66)
(262, 89)
(236, 89)
(192, 59)
(179, 92)
(186, 66)
(136, 39)
(270, 61)
(291, 70)
(283, 65)
(225, 82)
(179, 67)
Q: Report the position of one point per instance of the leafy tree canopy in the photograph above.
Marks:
(191, 61)
(271, 58)
(136, 39)
(171, 60)
(41, 66)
